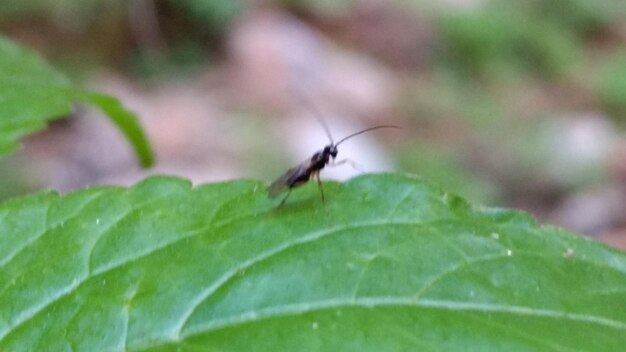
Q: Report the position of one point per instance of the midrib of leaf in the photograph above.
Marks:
(372, 302)
(304, 307)
(230, 274)
(517, 332)
(382, 302)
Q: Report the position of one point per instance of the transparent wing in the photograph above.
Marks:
(277, 187)
(292, 178)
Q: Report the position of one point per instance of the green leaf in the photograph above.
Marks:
(32, 93)
(611, 84)
(387, 263)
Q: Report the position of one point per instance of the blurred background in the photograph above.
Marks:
(509, 103)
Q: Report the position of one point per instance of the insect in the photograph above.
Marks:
(301, 174)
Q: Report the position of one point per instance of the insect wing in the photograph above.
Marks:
(292, 178)
(279, 186)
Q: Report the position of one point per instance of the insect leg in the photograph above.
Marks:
(350, 162)
(285, 199)
(319, 185)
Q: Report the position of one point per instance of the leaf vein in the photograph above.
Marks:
(464, 264)
(383, 302)
(228, 275)
(6, 260)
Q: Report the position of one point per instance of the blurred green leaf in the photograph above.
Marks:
(14, 180)
(578, 16)
(446, 166)
(67, 12)
(211, 15)
(386, 264)
(508, 37)
(32, 93)
(323, 8)
(611, 86)
(475, 39)
(181, 61)
(126, 121)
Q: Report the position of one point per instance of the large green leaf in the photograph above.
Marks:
(388, 263)
(32, 93)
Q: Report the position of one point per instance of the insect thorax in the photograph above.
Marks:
(321, 158)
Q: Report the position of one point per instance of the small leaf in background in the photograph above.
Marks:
(611, 85)
(388, 263)
(32, 93)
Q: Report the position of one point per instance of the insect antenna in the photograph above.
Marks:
(318, 116)
(363, 131)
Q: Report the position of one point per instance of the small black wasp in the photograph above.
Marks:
(301, 174)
